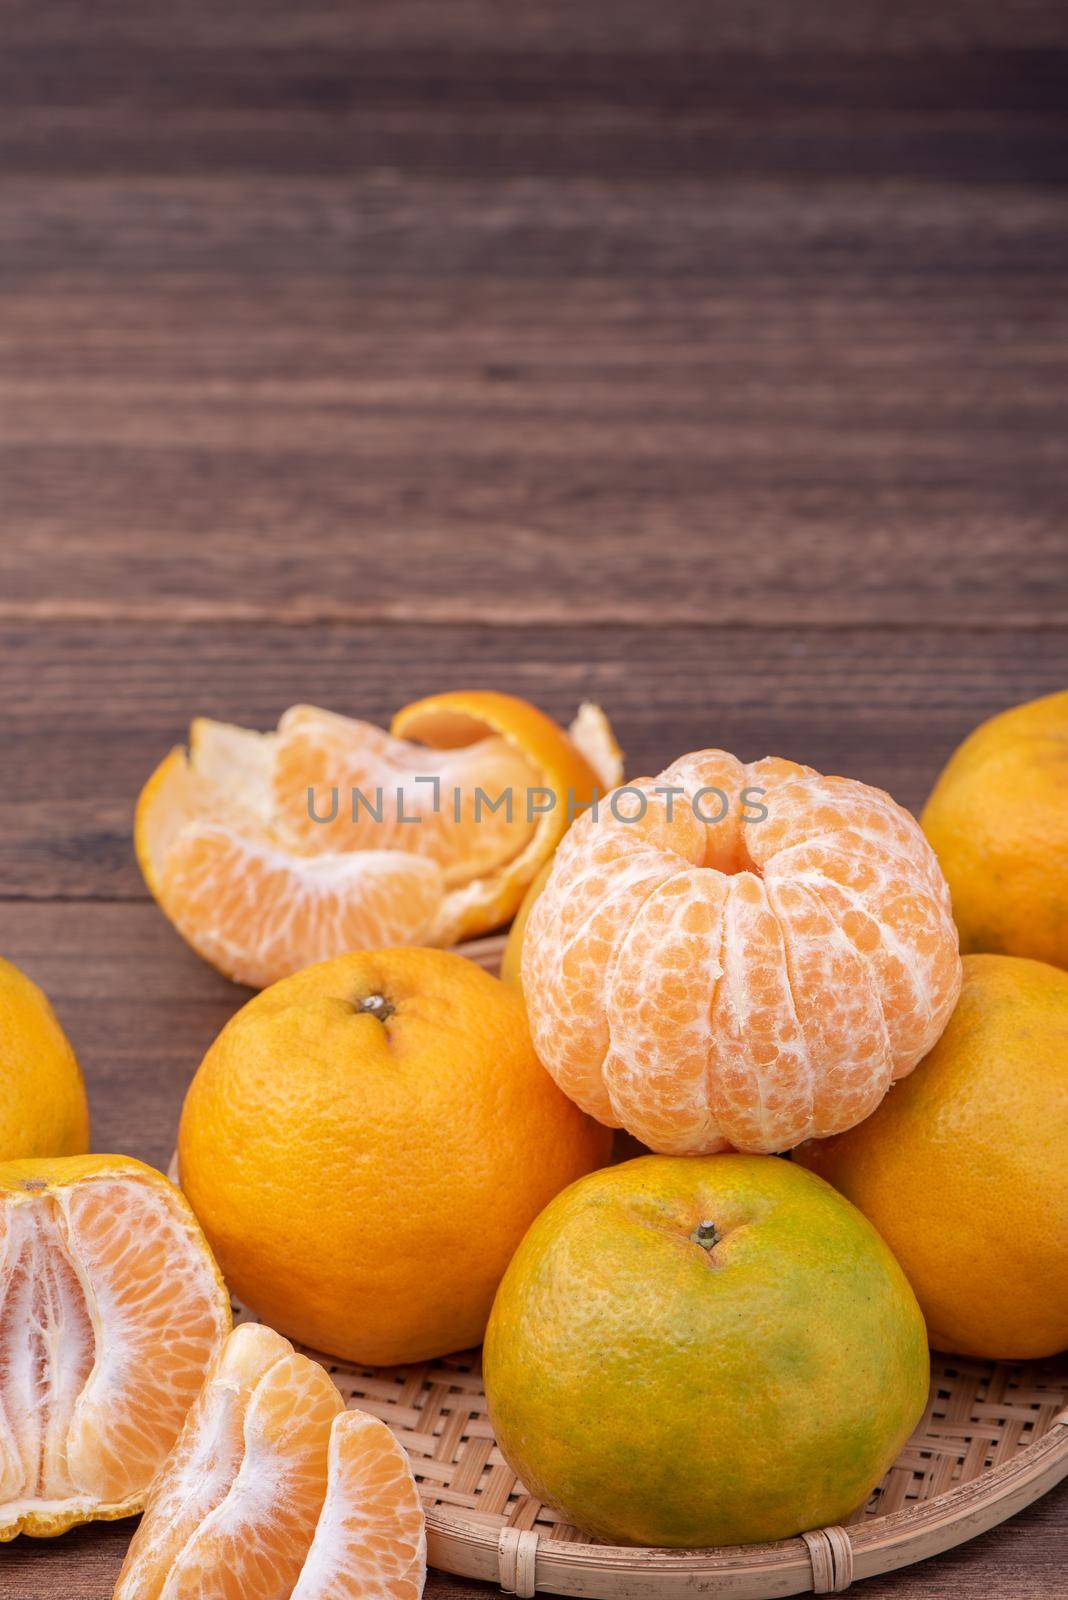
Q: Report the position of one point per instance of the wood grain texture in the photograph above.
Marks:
(706, 361)
(751, 316)
(766, 441)
(970, 90)
(90, 710)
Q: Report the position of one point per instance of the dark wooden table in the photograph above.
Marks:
(706, 360)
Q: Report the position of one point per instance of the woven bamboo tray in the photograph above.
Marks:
(993, 1438)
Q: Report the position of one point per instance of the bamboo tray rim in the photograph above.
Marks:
(1038, 1467)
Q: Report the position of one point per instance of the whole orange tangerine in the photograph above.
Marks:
(43, 1109)
(365, 1144)
(998, 821)
(703, 1350)
(964, 1168)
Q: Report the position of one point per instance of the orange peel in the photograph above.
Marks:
(244, 842)
(565, 771)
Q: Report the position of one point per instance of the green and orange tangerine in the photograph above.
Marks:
(696, 1351)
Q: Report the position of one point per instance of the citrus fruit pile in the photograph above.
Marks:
(271, 851)
(392, 1153)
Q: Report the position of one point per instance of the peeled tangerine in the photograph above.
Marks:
(741, 956)
(269, 851)
(276, 1492)
(111, 1311)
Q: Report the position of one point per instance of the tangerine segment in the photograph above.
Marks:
(271, 851)
(258, 913)
(464, 809)
(233, 1513)
(111, 1310)
(655, 1066)
(603, 874)
(751, 962)
(253, 1544)
(204, 1463)
(371, 1537)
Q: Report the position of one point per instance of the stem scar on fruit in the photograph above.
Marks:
(706, 1234)
(375, 1005)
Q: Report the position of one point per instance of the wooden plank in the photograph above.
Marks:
(139, 1007)
(87, 711)
(768, 25)
(742, 445)
(639, 319)
(762, 26)
(713, 131)
(755, 88)
(671, 251)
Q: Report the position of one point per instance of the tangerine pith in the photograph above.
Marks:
(111, 1311)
